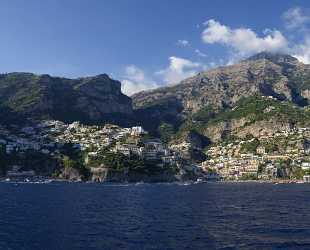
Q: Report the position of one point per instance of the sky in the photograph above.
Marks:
(146, 43)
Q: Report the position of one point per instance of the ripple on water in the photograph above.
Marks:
(154, 216)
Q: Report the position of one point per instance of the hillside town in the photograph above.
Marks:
(47, 137)
(50, 137)
(285, 154)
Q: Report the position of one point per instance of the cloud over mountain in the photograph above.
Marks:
(295, 18)
(238, 43)
(178, 69)
(244, 41)
(135, 81)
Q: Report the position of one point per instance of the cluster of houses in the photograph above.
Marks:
(16, 140)
(224, 160)
(149, 149)
(48, 137)
(230, 162)
(127, 141)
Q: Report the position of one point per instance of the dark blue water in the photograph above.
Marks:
(158, 216)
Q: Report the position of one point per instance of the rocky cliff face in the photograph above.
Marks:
(239, 128)
(89, 99)
(104, 174)
(280, 76)
(209, 93)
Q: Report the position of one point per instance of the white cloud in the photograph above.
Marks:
(135, 81)
(240, 41)
(295, 18)
(199, 53)
(302, 51)
(179, 69)
(244, 41)
(183, 43)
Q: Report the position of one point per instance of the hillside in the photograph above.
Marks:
(216, 104)
(89, 99)
(262, 101)
(281, 76)
(256, 115)
(214, 93)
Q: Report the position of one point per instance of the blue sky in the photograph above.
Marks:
(146, 43)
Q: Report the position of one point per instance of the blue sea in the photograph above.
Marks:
(154, 216)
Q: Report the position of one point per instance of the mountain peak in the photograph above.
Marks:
(277, 58)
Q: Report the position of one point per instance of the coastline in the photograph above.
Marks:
(267, 181)
(44, 179)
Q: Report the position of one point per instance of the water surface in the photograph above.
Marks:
(154, 216)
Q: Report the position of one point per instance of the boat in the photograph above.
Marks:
(200, 180)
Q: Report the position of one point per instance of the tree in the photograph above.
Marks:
(271, 147)
(68, 163)
(204, 114)
(75, 164)
(250, 146)
(166, 131)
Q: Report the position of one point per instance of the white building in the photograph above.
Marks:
(305, 165)
(136, 131)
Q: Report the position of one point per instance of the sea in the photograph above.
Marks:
(48, 216)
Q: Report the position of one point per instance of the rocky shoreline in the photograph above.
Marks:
(149, 180)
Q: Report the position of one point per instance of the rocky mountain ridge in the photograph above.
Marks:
(205, 102)
(88, 99)
(257, 99)
(280, 76)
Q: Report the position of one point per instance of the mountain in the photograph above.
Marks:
(88, 99)
(251, 96)
(281, 76)
(216, 95)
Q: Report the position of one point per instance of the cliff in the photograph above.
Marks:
(210, 101)
(280, 76)
(88, 99)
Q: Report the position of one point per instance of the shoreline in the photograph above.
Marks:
(42, 179)
(267, 181)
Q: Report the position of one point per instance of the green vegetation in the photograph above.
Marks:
(257, 108)
(204, 114)
(302, 81)
(23, 86)
(248, 177)
(186, 127)
(250, 146)
(254, 108)
(271, 146)
(298, 173)
(120, 163)
(74, 158)
(166, 131)
(77, 164)
(261, 168)
(41, 163)
(69, 163)
(43, 97)
(154, 116)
